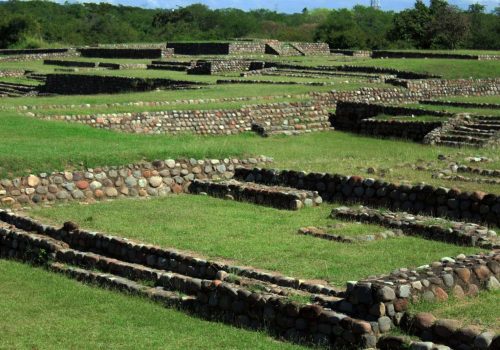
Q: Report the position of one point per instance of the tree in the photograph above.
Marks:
(18, 29)
(448, 28)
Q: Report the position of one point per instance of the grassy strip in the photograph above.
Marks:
(481, 311)
(472, 99)
(42, 310)
(253, 235)
(30, 145)
(213, 91)
(475, 111)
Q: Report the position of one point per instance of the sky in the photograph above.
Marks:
(288, 6)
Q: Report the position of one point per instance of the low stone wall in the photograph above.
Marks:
(12, 73)
(158, 178)
(452, 87)
(172, 270)
(247, 48)
(81, 84)
(422, 199)
(355, 117)
(461, 104)
(199, 48)
(386, 298)
(219, 66)
(38, 56)
(410, 130)
(379, 70)
(462, 233)
(414, 54)
(68, 63)
(12, 52)
(353, 53)
(298, 116)
(141, 53)
(312, 49)
(276, 196)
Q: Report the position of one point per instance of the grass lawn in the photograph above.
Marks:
(407, 118)
(481, 311)
(253, 235)
(43, 310)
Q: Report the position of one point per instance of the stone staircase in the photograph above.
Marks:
(476, 132)
(282, 49)
(36, 76)
(16, 90)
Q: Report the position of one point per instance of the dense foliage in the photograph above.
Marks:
(439, 25)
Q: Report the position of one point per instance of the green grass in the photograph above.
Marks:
(178, 107)
(252, 235)
(19, 80)
(443, 108)
(472, 99)
(447, 68)
(406, 118)
(212, 91)
(43, 310)
(30, 145)
(481, 311)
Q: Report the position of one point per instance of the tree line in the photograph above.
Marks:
(439, 25)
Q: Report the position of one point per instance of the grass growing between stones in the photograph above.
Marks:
(253, 235)
(481, 311)
(43, 310)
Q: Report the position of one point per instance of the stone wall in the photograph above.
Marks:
(388, 297)
(12, 52)
(80, 84)
(451, 87)
(36, 56)
(157, 178)
(219, 66)
(199, 48)
(410, 130)
(275, 117)
(276, 196)
(312, 49)
(12, 73)
(68, 63)
(461, 104)
(423, 199)
(415, 54)
(379, 70)
(88, 256)
(247, 48)
(140, 53)
(353, 53)
(350, 116)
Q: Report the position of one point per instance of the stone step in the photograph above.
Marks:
(470, 130)
(274, 196)
(20, 87)
(485, 126)
(478, 134)
(464, 139)
(457, 144)
(466, 134)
